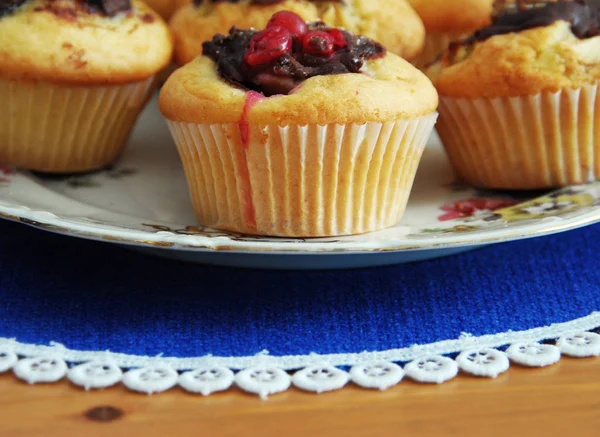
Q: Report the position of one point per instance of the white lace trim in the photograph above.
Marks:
(207, 380)
(483, 362)
(95, 374)
(266, 375)
(434, 369)
(150, 380)
(320, 378)
(533, 354)
(263, 381)
(580, 345)
(378, 375)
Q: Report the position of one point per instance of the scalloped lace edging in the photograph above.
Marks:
(266, 375)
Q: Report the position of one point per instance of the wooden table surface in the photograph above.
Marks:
(562, 400)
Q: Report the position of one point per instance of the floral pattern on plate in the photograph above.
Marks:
(474, 207)
(5, 175)
(143, 201)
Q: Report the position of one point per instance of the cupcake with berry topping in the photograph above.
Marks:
(74, 75)
(299, 130)
(447, 21)
(519, 105)
(395, 24)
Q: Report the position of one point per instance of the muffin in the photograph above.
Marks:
(165, 8)
(74, 75)
(518, 99)
(300, 130)
(395, 24)
(449, 20)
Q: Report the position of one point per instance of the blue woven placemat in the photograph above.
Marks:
(98, 296)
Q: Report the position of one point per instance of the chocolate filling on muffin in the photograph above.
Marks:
(69, 9)
(584, 16)
(511, 17)
(8, 6)
(278, 59)
(109, 7)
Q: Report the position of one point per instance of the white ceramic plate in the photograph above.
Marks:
(143, 202)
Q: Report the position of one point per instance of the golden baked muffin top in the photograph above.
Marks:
(394, 23)
(165, 8)
(524, 52)
(453, 15)
(77, 41)
(296, 73)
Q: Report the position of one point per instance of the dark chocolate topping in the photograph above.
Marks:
(8, 6)
(110, 7)
(584, 16)
(285, 72)
(103, 7)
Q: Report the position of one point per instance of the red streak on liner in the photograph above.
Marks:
(252, 98)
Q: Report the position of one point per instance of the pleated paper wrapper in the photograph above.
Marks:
(531, 142)
(60, 128)
(302, 181)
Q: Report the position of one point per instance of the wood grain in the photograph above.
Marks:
(563, 400)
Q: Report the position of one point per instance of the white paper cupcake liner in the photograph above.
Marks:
(302, 181)
(436, 43)
(530, 142)
(60, 128)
